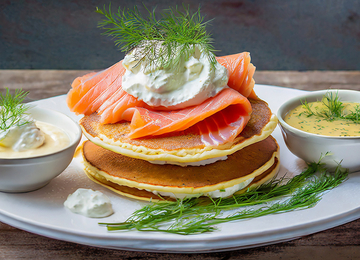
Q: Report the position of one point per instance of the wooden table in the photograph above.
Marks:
(341, 242)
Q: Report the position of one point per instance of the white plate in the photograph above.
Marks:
(42, 211)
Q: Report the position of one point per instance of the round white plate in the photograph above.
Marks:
(42, 211)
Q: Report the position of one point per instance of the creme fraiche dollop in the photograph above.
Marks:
(191, 83)
(89, 203)
(32, 138)
(22, 136)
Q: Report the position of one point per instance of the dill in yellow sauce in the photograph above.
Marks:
(329, 117)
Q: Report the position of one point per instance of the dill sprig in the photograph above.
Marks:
(12, 109)
(353, 115)
(166, 41)
(199, 215)
(334, 109)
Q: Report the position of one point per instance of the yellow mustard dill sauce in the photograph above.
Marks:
(299, 119)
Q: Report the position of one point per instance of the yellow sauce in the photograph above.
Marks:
(55, 140)
(317, 125)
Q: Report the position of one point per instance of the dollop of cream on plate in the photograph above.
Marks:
(89, 203)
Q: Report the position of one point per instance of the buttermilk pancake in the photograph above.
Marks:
(136, 178)
(183, 147)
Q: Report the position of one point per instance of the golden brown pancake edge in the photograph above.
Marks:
(144, 195)
(132, 177)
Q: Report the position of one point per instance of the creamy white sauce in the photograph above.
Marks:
(22, 137)
(89, 203)
(192, 83)
(199, 163)
(55, 139)
(223, 193)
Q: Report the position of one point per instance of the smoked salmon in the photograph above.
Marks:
(86, 89)
(149, 122)
(241, 73)
(219, 119)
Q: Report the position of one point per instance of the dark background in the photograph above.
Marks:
(279, 34)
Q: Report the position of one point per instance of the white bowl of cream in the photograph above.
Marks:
(310, 146)
(33, 169)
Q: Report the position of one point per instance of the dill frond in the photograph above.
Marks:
(12, 109)
(199, 215)
(354, 115)
(307, 107)
(334, 109)
(165, 41)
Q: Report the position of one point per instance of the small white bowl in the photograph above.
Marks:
(28, 174)
(309, 147)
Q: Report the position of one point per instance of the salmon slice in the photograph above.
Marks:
(145, 122)
(218, 119)
(115, 97)
(223, 126)
(87, 88)
(118, 110)
(76, 93)
(102, 96)
(241, 72)
(80, 80)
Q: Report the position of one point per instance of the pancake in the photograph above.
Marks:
(264, 177)
(183, 146)
(135, 193)
(137, 178)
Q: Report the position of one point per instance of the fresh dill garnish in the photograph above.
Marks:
(199, 215)
(354, 115)
(166, 41)
(12, 109)
(334, 109)
(307, 108)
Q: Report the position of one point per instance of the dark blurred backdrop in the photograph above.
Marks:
(279, 34)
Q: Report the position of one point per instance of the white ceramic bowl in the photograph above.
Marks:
(309, 147)
(28, 174)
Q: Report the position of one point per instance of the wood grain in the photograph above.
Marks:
(310, 80)
(342, 242)
(49, 83)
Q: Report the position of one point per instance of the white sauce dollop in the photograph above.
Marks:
(192, 83)
(198, 163)
(24, 137)
(89, 203)
(55, 139)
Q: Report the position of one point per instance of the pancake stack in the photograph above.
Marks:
(172, 120)
(178, 164)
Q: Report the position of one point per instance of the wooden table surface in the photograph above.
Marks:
(341, 242)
